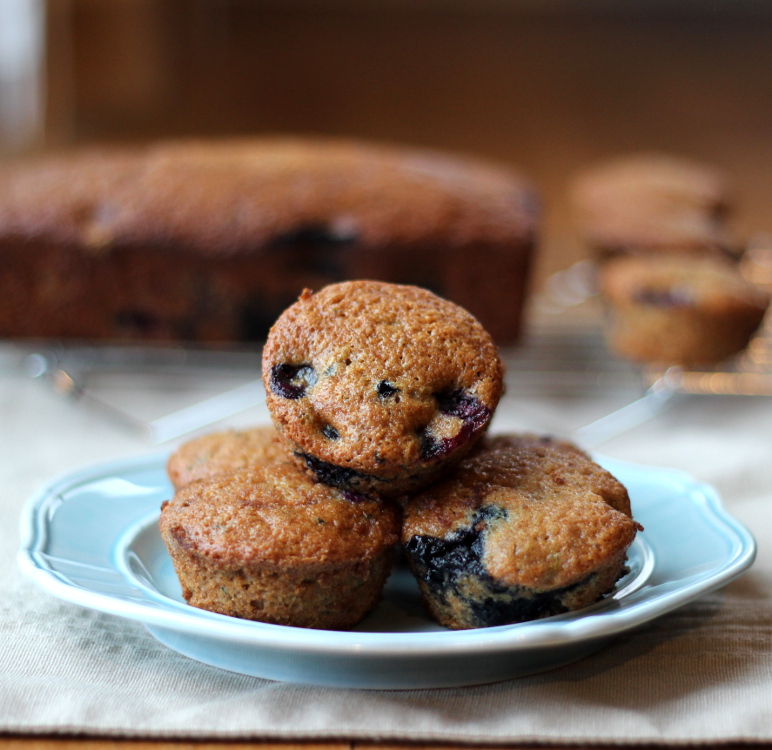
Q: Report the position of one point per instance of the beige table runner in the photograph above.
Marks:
(700, 674)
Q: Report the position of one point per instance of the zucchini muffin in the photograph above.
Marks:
(379, 388)
(679, 310)
(223, 452)
(526, 528)
(268, 543)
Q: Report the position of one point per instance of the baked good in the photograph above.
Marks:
(652, 202)
(679, 309)
(526, 528)
(210, 240)
(267, 543)
(379, 388)
(223, 452)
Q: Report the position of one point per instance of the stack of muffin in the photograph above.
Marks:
(380, 397)
(668, 266)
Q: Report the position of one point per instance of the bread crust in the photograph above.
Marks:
(211, 240)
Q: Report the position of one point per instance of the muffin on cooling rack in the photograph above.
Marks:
(679, 310)
(223, 452)
(652, 202)
(525, 528)
(268, 543)
(379, 388)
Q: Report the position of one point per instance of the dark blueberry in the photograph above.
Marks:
(465, 406)
(503, 610)
(335, 233)
(665, 298)
(354, 497)
(292, 381)
(330, 432)
(460, 403)
(332, 475)
(386, 389)
(431, 447)
(489, 513)
(443, 560)
(440, 563)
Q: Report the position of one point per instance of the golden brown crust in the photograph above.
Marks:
(567, 514)
(223, 452)
(273, 513)
(238, 195)
(268, 543)
(378, 360)
(540, 528)
(679, 310)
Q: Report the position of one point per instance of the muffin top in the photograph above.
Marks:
(674, 282)
(548, 514)
(272, 513)
(223, 452)
(652, 201)
(377, 377)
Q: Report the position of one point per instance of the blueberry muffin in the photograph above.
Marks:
(526, 528)
(652, 202)
(268, 543)
(379, 388)
(223, 452)
(679, 310)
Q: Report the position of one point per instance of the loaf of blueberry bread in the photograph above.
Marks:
(210, 240)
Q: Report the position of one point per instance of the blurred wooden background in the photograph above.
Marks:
(547, 86)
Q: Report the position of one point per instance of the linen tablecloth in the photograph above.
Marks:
(700, 674)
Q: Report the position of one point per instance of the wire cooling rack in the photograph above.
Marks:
(747, 374)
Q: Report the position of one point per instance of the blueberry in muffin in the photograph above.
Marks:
(684, 310)
(525, 528)
(379, 388)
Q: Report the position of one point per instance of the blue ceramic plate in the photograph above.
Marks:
(91, 538)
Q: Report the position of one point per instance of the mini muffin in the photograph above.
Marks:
(526, 528)
(652, 202)
(268, 543)
(679, 310)
(379, 388)
(223, 452)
